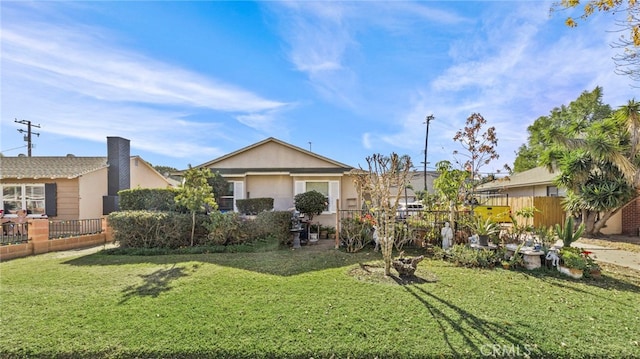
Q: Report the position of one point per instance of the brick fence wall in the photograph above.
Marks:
(631, 219)
(39, 242)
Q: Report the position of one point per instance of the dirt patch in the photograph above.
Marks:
(373, 272)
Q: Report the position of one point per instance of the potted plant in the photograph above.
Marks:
(573, 263)
(324, 232)
(331, 232)
(484, 229)
(310, 203)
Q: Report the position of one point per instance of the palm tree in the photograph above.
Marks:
(629, 116)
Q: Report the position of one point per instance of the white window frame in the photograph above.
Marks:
(333, 196)
(23, 198)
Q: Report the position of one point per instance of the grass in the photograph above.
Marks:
(306, 303)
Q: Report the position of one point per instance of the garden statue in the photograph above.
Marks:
(296, 228)
(376, 239)
(552, 256)
(447, 236)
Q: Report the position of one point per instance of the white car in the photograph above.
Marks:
(409, 209)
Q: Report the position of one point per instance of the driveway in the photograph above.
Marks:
(611, 255)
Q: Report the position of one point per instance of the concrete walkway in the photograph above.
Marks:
(611, 255)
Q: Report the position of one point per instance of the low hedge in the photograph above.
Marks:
(153, 229)
(253, 206)
(151, 199)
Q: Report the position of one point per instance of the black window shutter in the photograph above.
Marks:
(50, 199)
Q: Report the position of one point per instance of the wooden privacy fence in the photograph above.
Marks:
(548, 212)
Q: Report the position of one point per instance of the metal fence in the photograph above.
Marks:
(73, 228)
(423, 226)
(13, 233)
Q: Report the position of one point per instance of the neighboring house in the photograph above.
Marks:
(537, 183)
(73, 187)
(416, 183)
(275, 169)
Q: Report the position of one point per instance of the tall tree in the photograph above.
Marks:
(195, 193)
(593, 153)
(580, 113)
(383, 174)
(628, 60)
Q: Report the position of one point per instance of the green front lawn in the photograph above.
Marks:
(305, 303)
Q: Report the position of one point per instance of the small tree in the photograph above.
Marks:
(310, 203)
(383, 174)
(450, 184)
(195, 193)
(480, 147)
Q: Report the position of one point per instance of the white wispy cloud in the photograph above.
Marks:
(70, 73)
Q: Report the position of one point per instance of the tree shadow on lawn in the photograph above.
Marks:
(283, 262)
(154, 284)
(624, 282)
(481, 335)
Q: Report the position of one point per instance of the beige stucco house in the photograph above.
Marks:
(275, 169)
(538, 183)
(72, 187)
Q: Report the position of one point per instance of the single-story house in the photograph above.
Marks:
(538, 183)
(72, 187)
(275, 169)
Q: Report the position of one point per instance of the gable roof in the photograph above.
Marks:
(328, 163)
(49, 167)
(533, 177)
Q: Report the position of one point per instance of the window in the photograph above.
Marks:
(331, 190)
(552, 191)
(28, 196)
(233, 192)
(226, 199)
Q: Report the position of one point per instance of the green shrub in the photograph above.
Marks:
(465, 256)
(150, 199)
(310, 203)
(224, 228)
(151, 229)
(253, 206)
(231, 229)
(275, 224)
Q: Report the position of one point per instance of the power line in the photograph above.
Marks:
(11, 149)
(27, 138)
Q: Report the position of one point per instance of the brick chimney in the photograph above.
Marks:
(118, 173)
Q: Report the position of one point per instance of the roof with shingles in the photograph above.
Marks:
(532, 177)
(49, 167)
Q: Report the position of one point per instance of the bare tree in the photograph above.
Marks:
(383, 174)
(480, 147)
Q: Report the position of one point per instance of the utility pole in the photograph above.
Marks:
(426, 144)
(29, 132)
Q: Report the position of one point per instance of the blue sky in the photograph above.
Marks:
(187, 82)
